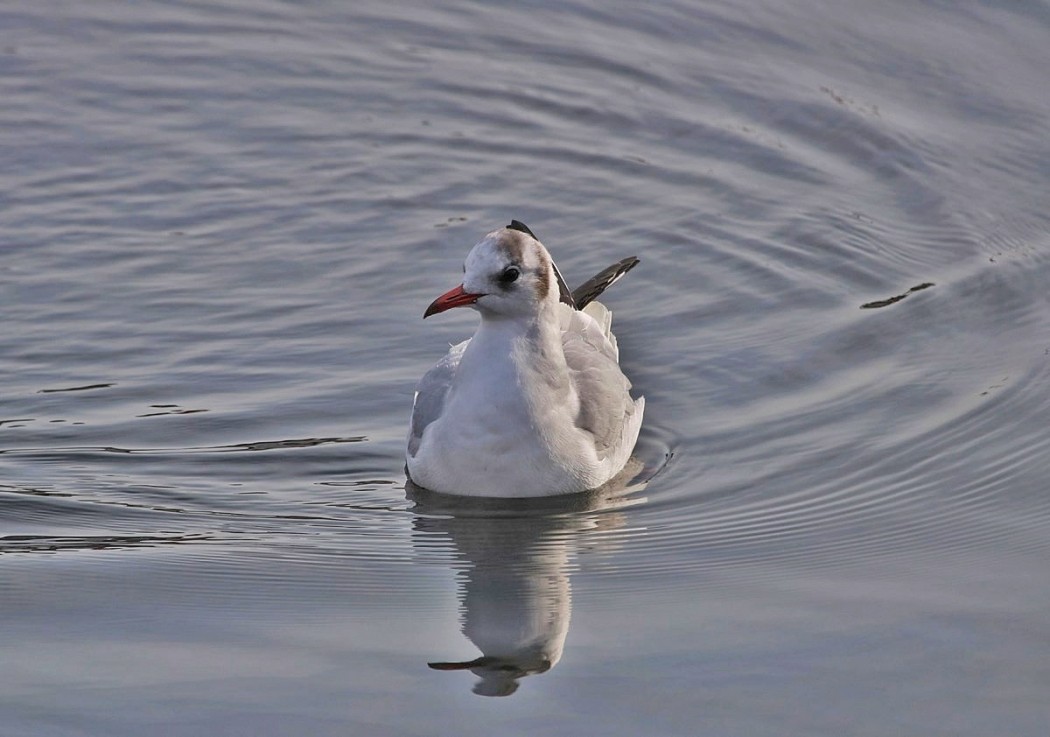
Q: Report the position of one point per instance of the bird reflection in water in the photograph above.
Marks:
(514, 558)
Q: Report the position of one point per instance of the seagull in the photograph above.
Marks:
(535, 403)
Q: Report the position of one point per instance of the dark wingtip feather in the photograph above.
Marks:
(462, 665)
(593, 287)
(564, 293)
(521, 227)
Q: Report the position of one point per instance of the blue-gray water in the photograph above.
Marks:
(220, 224)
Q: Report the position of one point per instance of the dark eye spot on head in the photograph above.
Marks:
(509, 276)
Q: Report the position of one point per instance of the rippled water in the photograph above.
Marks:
(220, 224)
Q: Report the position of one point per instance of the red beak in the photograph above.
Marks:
(452, 298)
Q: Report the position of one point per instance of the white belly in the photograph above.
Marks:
(497, 451)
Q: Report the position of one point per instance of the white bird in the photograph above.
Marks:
(535, 403)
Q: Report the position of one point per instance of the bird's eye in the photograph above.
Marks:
(511, 273)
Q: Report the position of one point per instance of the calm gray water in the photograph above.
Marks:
(220, 224)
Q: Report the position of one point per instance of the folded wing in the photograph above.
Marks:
(430, 394)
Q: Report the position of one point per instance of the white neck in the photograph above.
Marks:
(517, 353)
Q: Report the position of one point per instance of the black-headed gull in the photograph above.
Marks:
(535, 403)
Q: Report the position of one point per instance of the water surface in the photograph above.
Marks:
(221, 224)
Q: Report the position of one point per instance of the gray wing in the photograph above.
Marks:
(605, 402)
(430, 394)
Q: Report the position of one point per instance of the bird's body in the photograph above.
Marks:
(535, 403)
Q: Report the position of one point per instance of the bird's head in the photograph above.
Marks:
(508, 273)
